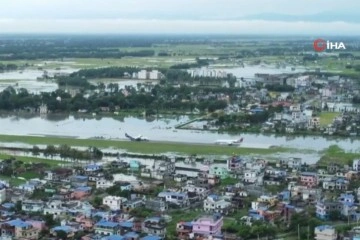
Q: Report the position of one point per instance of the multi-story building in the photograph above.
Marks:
(217, 205)
(221, 172)
(154, 226)
(18, 229)
(234, 163)
(208, 225)
(323, 209)
(107, 228)
(177, 198)
(356, 165)
(32, 206)
(308, 179)
(325, 232)
(58, 174)
(113, 202)
(157, 204)
(183, 230)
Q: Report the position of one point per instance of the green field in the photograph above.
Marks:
(327, 118)
(334, 154)
(142, 147)
(32, 159)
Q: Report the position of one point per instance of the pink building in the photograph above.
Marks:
(309, 179)
(208, 225)
(40, 225)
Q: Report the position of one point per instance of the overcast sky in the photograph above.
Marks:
(314, 17)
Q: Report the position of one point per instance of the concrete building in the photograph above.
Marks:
(208, 225)
(113, 202)
(143, 74)
(325, 232)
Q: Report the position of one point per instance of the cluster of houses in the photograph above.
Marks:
(70, 196)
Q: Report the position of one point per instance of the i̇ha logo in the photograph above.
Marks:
(321, 45)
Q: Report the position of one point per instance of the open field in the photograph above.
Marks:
(143, 147)
(26, 159)
(327, 118)
(334, 154)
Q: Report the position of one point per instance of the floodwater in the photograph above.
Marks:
(28, 79)
(161, 129)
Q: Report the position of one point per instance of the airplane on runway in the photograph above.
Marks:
(139, 138)
(229, 142)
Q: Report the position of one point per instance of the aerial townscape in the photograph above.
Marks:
(161, 120)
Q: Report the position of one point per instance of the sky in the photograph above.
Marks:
(306, 17)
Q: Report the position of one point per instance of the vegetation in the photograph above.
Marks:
(334, 154)
(139, 147)
(327, 118)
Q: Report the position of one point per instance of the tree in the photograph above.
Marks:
(50, 150)
(35, 150)
(61, 235)
(18, 206)
(335, 215)
(49, 220)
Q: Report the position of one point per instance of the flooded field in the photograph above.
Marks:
(160, 129)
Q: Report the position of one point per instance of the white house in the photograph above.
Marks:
(356, 165)
(215, 204)
(32, 206)
(103, 184)
(113, 202)
(143, 74)
(54, 208)
(325, 232)
(177, 198)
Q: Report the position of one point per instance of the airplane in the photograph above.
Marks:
(139, 138)
(229, 142)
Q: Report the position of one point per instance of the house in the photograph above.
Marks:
(132, 204)
(252, 176)
(134, 165)
(177, 198)
(308, 179)
(324, 208)
(32, 205)
(234, 163)
(213, 203)
(92, 168)
(114, 203)
(103, 183)
(221, 172)
(86, 223)
(208, 225)
(356, 165)
(157, 204)
(17, 229)
(58, 174)
(180, 178)
(183, 229)
(67, 229)
(154, 226)
(81, 192)
(55, 208)
(107, 228)
(200, 191)
(325, 232)
(125, 186)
